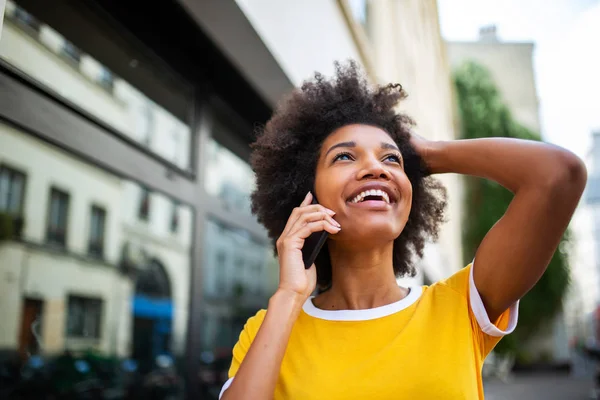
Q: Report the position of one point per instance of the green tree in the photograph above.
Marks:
(484, 114)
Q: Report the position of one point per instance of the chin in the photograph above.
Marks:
(369, 233)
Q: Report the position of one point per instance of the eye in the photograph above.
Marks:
(393, 158)
(342, 157)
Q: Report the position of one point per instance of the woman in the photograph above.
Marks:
(363, 336)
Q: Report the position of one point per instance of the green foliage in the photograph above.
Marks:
(484, 114)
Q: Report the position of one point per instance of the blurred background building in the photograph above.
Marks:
(582, 308)
(125, 223)
(511, 66)
(124, 177)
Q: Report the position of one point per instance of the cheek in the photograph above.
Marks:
(323, 188)
(406, 189)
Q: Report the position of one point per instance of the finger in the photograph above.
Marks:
(295, 214)
(307, 199)
(316, 216)
(317, 226)
(298, 213)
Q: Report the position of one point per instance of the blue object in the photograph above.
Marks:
(152, 308)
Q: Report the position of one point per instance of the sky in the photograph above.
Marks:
(566, 60)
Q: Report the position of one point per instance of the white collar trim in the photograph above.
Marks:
(363, 315)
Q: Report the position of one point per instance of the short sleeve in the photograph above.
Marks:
(243, 345)
(486, 333)
(491, 332)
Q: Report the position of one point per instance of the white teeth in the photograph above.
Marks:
(360, 197)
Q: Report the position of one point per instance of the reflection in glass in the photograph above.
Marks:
(360, 12)
(239, 274)
(83, 317)
(87, 285)
(96, 241)
(228, 177)
(57, 217)
(51, 59)
(12, 186)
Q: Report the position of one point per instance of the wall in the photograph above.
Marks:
(85, 184)
(304, 36)
(37, 272)
(51, 277)
(409, 50)
(511, 66)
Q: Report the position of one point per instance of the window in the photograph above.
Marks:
(84, 317)
(106, 79)
(148, 123)
(71, 53)
(58, 217)
(12, 191)
(174, 226)
(221, 267)
(97, 229)
(144, 208)
(233, 261)
(65, 67)
(228, 177)
(26, 20)
(360, 13)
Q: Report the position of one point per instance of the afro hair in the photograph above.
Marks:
(287, 149)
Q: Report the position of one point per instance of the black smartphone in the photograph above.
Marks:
(313, 244)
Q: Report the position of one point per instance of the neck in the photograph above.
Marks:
(361, 278)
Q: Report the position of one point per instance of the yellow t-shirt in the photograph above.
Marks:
(429, 345)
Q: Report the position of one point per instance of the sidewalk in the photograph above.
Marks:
(547, 386)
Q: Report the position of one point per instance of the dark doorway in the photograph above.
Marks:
(31, 328)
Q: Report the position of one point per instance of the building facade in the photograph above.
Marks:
(125, 223)
(407, 48)
(511, 67)
(581, 308)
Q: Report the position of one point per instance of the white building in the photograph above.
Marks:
(80, 218)
(584, 297)
(511, 67)
(65, 263)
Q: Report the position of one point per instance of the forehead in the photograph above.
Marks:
(362, 135)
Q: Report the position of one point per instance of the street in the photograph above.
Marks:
(549, 386)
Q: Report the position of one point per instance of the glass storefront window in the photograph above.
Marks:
(228, 177)
(92, 295)
(235, 263)
(39, 51)
(360, 12)
(239, 274)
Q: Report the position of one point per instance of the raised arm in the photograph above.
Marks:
(547, 183)
(257, 375)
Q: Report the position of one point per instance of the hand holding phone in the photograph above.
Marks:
(304, 235)
(313, 244)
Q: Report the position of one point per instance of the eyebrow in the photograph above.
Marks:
(384, 145)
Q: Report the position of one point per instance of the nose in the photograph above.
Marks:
(373, 169)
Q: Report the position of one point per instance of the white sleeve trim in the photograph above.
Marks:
(481, 314)
(225, 386)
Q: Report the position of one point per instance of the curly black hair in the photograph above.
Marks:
(287, 148)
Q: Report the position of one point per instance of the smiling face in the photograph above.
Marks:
(360, 175)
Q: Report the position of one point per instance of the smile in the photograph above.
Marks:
(371, 195)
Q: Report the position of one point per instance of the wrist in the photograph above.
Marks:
(288, 298)
(433, 157)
